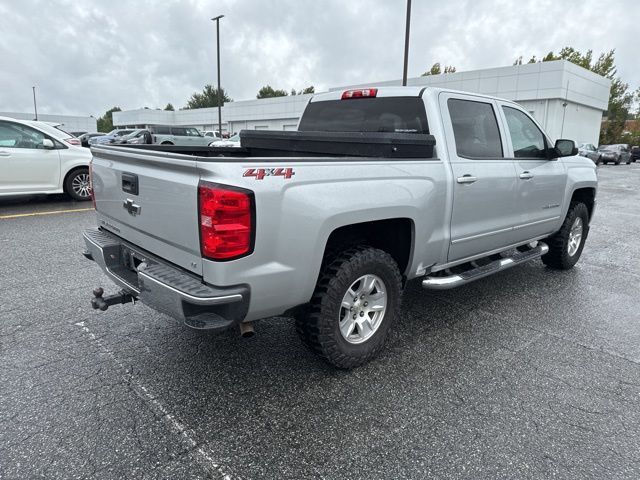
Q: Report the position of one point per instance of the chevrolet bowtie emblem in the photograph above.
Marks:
(131, 207)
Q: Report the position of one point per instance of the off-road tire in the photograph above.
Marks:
(319, 328)
(558, 256)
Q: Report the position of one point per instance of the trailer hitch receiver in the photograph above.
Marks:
(100, 302)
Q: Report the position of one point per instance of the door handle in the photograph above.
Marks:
(526, 175)
(4, 154)
(466, 179)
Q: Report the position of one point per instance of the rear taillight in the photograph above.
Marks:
(226, 221)
(73, 141)
(360, 93)
(93, 196)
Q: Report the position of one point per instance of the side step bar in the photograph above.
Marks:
(452, 281)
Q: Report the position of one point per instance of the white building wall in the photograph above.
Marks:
(541, 88)
(69, 123)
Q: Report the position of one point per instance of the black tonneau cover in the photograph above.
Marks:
(261, 143)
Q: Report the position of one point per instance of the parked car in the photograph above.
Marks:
(36, 157)
(185, 136)
(232, 141)
(635, 153)
(618, 153)
(590, 151)
(212, 133)
(84, 138)
(331, 236)
(110, 137)
(137, 137)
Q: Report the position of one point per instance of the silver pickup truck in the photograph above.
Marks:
(223, 239)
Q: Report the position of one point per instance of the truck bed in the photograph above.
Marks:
(256, 143)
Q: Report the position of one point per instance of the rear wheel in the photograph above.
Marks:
(565, 247)
(355, 303)
(78, 185)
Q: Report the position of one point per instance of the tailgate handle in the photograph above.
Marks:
(130, 183)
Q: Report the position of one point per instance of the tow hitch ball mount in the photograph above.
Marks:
(100, 302)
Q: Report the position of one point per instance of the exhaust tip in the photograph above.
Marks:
(247, 330)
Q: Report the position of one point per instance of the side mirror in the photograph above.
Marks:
(47, 143)
(566, 148)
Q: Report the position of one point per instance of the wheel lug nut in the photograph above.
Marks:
(366, 303)
(361, 296)
(351, 309)
(361, 313)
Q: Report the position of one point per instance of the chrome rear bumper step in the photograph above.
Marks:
(452, 281)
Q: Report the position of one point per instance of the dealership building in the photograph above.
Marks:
(567, 100)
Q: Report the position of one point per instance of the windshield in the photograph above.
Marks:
(386, 114)
(135, 133)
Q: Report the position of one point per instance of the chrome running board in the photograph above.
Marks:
(452, 281)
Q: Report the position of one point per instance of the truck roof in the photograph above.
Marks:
(399, 91)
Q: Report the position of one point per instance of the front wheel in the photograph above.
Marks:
(356, 301)
(78, 185)
(565, 247)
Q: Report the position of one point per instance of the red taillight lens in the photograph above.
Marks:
(73, 141)
(226, 221)
(93, 196)
(360, 93)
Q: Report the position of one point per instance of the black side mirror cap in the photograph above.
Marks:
(565, 148)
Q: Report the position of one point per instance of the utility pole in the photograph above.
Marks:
(406, 44)
(217, 20)
(35, 108)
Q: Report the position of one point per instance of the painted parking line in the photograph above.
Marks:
(36, 214)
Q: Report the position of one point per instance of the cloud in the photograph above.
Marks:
(85, 57)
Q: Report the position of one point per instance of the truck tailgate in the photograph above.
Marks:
(150, 200)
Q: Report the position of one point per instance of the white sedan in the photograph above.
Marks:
(232, 141)
(36, 157)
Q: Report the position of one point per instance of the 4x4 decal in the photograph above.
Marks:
(260, 173)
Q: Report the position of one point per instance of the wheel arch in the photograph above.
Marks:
(71, 171)
(586, 195)
(393, 235)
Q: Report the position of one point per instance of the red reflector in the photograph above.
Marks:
(226, 221)
(360, 93)
(73, 141)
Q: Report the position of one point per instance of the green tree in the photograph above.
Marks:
(105, 122)
(208, 98)
(268, 92)
(169, 107)
(304, 91)
(436, 69)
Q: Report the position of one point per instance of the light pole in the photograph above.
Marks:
(217, 20)
(406, 44)
(35, 108)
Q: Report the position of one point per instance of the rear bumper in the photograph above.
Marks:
(165, 287)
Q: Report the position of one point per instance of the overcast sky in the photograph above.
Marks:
(85, 56)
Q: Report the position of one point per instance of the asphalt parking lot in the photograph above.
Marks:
(531, 373)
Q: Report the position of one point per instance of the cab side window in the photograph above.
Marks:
(475, 128)
(192, 132)
(179, 131)
(527, 139)
(15, 135)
